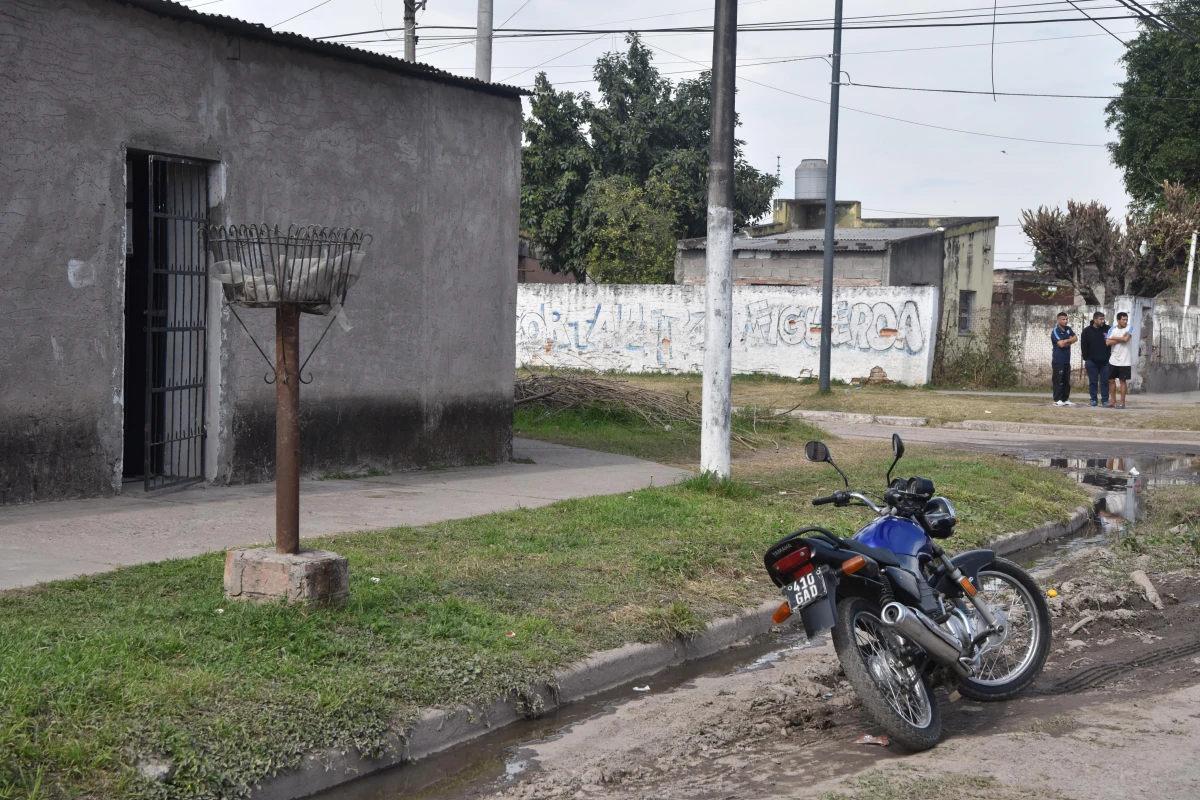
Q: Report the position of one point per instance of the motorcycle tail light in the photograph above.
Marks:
(794, 562)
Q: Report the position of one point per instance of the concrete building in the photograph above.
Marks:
(953, 254)
(127, 126)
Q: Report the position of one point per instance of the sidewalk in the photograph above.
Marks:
(48, 541)
(1164, 399)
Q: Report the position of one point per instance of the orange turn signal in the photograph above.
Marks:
(781, 614)
(853, 565)
(968, 587)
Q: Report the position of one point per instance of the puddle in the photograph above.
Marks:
(1123, 480)
(500, 757)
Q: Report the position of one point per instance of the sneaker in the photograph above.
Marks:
(1105, 404)
(1067, 403)
(1059, 403)
(1094, 403)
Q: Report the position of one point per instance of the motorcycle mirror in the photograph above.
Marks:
(898, 452)
(819, 452)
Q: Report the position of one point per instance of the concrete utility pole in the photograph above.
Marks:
(835, 85)
(483, 42)
(410, 29)
(716, 408)
(1187, 293)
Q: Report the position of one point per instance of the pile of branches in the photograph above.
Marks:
(558, 392)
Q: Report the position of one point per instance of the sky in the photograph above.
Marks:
(889, 165)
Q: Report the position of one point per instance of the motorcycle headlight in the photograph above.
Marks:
(939, 518)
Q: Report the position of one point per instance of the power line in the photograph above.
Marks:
(898, 119)
(1106, 30)
(781, 26)
(295, 16)
(1025, 94)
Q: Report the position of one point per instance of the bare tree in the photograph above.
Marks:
(1084, 246)
(1072, 243)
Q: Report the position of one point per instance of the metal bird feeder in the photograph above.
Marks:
(303, 269)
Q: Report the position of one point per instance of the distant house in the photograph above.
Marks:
(530, 269)
(953, 254)
(129, 126)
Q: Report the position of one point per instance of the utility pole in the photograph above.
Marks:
(483, 42)
(410, 28)
(835, 85)
(717, 405)
(1187, 293)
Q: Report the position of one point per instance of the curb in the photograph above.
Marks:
(1082, 431)
(1013, 542)
(440, 729)
(857, 419)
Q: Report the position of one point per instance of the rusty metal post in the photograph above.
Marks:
(287, 428)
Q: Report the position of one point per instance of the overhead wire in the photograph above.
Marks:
(894, 119)
(302, 13)
(1106, 30)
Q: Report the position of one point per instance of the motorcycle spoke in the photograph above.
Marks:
(884, 653)
(1003, 593)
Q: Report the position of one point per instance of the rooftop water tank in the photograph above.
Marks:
(811, 176)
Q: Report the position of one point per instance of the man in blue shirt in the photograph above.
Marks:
(1061, 339)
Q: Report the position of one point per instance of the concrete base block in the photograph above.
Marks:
(315, 577)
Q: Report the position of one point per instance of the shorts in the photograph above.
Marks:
(1116, 373)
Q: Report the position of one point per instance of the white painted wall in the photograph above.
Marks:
(776, 329)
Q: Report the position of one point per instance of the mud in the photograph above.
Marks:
(1119, 701)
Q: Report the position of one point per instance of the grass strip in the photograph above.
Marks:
(151, 661)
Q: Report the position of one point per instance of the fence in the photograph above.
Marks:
(885, 333)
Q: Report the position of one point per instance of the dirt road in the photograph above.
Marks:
(1116, 714)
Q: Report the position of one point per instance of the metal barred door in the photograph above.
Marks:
(177, 307)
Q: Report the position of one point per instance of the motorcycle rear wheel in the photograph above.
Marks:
(893, 692)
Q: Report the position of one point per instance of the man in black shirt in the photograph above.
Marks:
(1095, 352)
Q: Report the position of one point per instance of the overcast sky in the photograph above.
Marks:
(890, 166)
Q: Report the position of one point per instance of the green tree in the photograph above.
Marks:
(1159, 140)
(631, 231)
(644, 129)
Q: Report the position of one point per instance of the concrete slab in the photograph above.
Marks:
(49, 541)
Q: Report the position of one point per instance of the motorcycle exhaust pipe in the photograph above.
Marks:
(912, 624)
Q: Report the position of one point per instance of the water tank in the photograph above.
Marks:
(810, 179)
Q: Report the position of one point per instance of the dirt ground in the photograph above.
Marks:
(1115, 714)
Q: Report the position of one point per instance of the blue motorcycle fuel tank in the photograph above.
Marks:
(902, 536)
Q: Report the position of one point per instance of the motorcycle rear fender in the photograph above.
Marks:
(820, 617)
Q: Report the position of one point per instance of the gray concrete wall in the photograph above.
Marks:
(432, 171)
(788, 267)
(916, 261)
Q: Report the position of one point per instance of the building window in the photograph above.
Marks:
(966, 310)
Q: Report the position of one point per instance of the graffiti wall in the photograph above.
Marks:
(776, 329)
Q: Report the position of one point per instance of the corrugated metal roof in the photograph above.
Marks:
(814, 239)
(252, 30)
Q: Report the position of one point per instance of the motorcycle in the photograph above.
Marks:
(903, 612)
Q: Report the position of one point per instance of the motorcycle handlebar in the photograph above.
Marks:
(821, 501)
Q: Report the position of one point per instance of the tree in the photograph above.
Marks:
(556, 167)
(631, 232)
(644, 129)
(1085, 246)
(1159, 140)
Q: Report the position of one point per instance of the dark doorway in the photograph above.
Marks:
(166, 305)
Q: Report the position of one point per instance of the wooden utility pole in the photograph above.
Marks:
(717, 404)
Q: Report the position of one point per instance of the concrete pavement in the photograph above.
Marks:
(1165, 399)
(49, 541)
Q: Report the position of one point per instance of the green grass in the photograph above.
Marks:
(621, 431)
(152, 661)
(1170, 530)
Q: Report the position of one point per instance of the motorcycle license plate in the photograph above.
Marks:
(805, 591)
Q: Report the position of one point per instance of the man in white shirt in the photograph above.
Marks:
(1120, 360)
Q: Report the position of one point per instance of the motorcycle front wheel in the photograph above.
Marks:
(1010, 663)
(879, 664)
